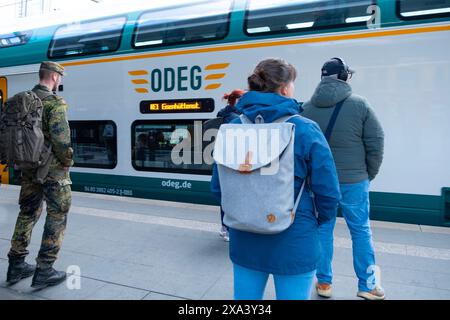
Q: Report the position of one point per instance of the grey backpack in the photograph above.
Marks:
(255, 165)
(21, 138)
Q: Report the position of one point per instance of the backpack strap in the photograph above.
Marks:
(246, 120)
(311, 193)
(43, 95)
(333, 118)
(286, 118)
(297, 201)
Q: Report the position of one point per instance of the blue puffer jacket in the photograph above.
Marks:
(295, 250)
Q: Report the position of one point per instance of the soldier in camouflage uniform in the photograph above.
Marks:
(55, 190)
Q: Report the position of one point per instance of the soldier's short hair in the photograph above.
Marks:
(45, 74)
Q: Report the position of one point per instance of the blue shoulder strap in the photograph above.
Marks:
(333, 118)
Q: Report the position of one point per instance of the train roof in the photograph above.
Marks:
(60, 41)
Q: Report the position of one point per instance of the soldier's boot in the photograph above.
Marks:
(18, 270)
(47, 277)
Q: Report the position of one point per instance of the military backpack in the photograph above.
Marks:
(21, 138)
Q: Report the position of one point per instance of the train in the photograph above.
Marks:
(140, 82)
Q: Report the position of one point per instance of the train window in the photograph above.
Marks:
(414, 9)
(169, 146)
(14, 39)
(94, 143)
(88, 37)
(195, 22)
(268, 16)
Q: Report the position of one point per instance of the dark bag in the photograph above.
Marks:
(22, 142)
(213, 123)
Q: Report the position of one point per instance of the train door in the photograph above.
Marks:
(4, 172)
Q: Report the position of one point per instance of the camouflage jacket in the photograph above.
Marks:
(57, 132)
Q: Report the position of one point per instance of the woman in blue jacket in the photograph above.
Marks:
(292, 255)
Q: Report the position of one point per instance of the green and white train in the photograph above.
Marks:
(135, 78)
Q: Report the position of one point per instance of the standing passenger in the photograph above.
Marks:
(229, 113)
(291, 255)
(55, 189)
(357, 146)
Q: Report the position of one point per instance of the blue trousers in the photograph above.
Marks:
(355, 209)
(249, 284)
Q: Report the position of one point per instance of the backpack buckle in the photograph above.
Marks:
(271, 218)
(246, 167)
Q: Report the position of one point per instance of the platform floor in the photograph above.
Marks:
(128, 248)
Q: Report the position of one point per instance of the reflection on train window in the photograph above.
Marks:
(195, 22)
(94, 143)
(1, 98)
(153, 145)
(14, 39)
(414, 9)
(87, 38)
(268, 16)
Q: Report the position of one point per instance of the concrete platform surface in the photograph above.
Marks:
(126, 248)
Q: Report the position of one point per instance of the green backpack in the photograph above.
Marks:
(21, 138)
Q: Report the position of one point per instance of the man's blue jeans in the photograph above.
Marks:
(355, 209)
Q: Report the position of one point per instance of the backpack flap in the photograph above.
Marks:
(255, 165)
(249, 147)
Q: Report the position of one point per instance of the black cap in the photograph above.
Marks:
(335, 66)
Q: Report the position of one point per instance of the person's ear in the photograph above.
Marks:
(284, 91)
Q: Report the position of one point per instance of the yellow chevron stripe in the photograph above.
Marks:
(141, 90)
(217, 66)
(139, 81)
(138, 72)
(213, 86)
(215, 76)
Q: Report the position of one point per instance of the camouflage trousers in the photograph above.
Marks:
(32, 195)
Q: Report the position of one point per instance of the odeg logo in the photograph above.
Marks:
(180, 78)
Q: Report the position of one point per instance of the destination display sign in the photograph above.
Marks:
(177, 106)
